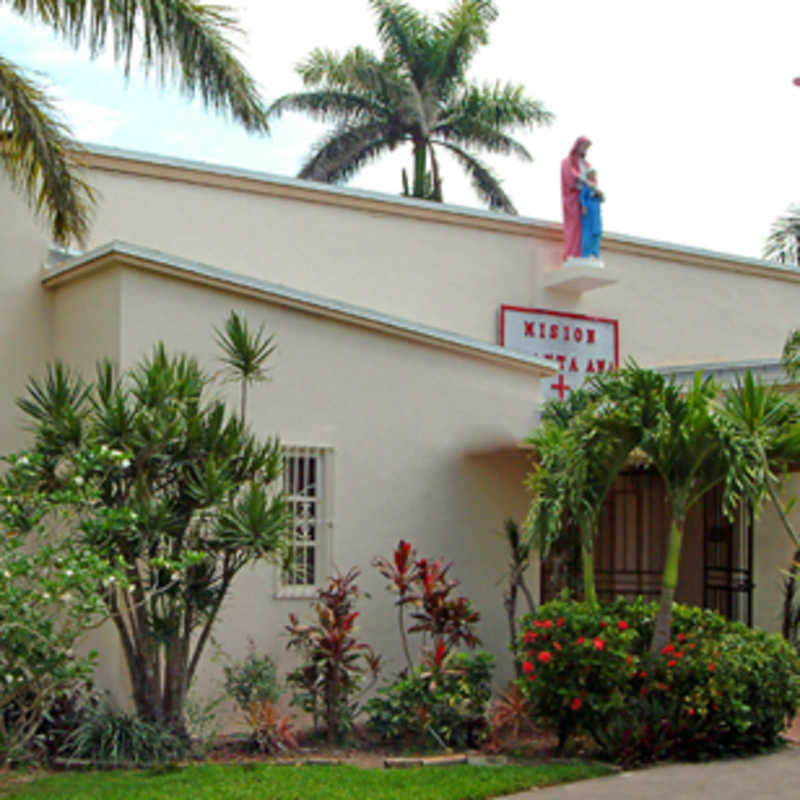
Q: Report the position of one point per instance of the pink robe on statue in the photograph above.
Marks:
(571, 168)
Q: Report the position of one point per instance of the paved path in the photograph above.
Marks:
(775, 776)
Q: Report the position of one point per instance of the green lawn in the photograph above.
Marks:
(265, 782)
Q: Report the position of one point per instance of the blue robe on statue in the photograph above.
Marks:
(591, 221)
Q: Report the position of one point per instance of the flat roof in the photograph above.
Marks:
(126, 254)
(726, 372)
(169, 167)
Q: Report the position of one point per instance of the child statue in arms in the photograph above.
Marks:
(591, 221)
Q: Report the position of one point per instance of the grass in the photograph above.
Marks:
(269, 782)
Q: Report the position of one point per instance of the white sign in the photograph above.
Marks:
(579, 346)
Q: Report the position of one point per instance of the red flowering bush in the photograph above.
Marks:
(575, 662)
(716, 688)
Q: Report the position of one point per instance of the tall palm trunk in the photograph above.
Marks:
(663, 626)
(420, 168)
(587, 563)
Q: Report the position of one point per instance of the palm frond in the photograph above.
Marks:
(483, 181)
(461, 29)
(38, 154)
(185, 40)
(783, 242)
(497, 105)
(326, 105)
(340, 154)
(406, 33)
(475, 135)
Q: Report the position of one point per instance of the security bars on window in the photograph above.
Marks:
(303, 486)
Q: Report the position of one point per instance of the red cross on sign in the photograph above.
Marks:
(560, 387)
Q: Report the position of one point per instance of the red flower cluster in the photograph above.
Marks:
(576, 703)
(544, 656)
(599, 643)
(623, 626)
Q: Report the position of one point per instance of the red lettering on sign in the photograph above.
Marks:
(601, 364)
(560, 387)
(590, 336)
(529, 329)
(561, 361)
(542, 330)
(578, 334)
(549, 355)
(590, 366)
(554, 331)
(566, 333)
(573, 365)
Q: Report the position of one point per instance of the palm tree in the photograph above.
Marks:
(180, 38)
(768, 422)
(416, 92)
(580, 457)
(783, 242)
(244, 353)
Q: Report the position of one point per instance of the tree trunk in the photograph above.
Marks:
(420, 164)
(587, 559)
(789, 591)
(663, 626)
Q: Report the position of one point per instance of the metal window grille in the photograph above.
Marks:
(304, 478)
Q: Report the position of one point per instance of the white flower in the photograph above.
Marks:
(46, 596)
(125, 463)
(23, 460)
(116, 453)
(68, 573)
(78, 480)
(9, 678)
(176, 576)
(66, 597)
(6, 573)
(103, 448)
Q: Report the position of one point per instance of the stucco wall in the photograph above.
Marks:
(408, 424)
(452, 274)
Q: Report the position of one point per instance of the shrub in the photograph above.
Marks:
(253, 679)
(334, 661)
(272, 730)
(110, 736)
(716, 688)
(443, 702)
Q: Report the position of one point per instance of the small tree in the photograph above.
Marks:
(691, 447)
(520, 551)
(580, 449)
(244, 353)
(183, 506)
(334, 661)
(50, 595)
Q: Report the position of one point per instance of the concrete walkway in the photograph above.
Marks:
(775, 776)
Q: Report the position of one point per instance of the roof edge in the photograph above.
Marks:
(156, 261)
(206, 173)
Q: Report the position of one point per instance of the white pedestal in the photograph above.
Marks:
(577, 275)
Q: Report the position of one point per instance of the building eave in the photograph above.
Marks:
(118, 253)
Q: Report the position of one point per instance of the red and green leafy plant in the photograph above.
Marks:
(328, 682)
(510, 718)
(423, 584)
(272, 729)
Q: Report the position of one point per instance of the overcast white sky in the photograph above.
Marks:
(690, 105)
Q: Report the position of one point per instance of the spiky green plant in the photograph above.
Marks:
(244, 353)
(183, 41)
(415, 92)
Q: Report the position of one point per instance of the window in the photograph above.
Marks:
(306, 484)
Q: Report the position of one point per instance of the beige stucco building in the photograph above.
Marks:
(401, 409)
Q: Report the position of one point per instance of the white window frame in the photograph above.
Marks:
(322, 519)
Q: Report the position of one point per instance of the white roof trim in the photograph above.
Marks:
(768, 369)
(142, 257)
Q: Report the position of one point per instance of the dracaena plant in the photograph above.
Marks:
(424, 585)
(329, 680)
